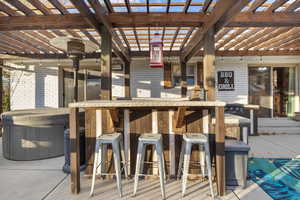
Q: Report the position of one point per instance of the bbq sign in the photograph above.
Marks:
(226, 80)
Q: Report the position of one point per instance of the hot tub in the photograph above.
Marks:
(34, 134)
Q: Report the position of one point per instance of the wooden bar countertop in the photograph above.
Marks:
(139, 103)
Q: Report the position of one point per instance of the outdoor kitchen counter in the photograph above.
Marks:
(169, 117)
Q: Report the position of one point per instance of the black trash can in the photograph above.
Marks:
(236, 159)
(66, 167)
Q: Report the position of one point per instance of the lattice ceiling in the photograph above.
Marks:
(137, 38)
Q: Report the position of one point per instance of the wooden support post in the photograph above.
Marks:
(209, 65)
(183, 79)
(220, 148)
(75, 83)
(127, 80)
(1, 87)
(74, 150)
(105, 61)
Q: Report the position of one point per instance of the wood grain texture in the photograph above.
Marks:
(220, 147)
(74, 150)
(90, 140)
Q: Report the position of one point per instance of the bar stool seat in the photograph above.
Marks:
(195, 137)
(190, 139)
(150, 138)
(156, 140)
(116, 140)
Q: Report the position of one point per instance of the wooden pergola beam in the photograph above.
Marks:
(95, 19)
(220, 15)
(77, 21)
(231, 53)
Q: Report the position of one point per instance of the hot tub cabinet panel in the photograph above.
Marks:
(34, 134)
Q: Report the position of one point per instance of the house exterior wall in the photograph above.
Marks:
(34, 87)
(41, 86)
(240, 92)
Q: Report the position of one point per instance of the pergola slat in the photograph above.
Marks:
(187, 5)
(168, 6)
(18, 43)
(231, 37)
(8, 10)
(284, 34)
(280, 34)
(20, 6)
(174, 38)
(244, 36)
(109, 6)
(127, 3)
(276, 5)
(293, 6)
(206, 5)
(256, 4)
(290, 39)
(13, 46)
(136, 39)
(256, 39)
(188, 35)
(124, 37)
(39, 5)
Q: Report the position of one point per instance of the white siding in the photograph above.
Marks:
(47, 94)
(22, 89)
(240, 92)
(148, 82)
(34, 87)
(118, 84)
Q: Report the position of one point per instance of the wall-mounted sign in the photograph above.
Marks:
(225, 80)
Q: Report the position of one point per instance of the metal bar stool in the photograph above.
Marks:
(188, 140)
(144, 140)
(116, 140)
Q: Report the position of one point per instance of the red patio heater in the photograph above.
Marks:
(156, 52)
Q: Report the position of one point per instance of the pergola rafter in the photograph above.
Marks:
(222, 11)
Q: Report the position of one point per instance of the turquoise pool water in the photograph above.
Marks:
(279, 178)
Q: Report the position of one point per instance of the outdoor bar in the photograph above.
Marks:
(170, 118)
(182, 90)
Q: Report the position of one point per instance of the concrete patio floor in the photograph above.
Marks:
(44, 180)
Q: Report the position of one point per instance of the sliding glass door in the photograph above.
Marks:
(273, 88)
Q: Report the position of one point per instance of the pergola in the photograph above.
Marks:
(123, 28)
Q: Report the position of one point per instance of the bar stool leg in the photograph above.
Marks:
(181, 159)
(202, 159)
(163, 159)
(143, 159)
(116, 152)
(124, 159)
(97, 153)
(208, 163)
(138, 166)
(187, 154)
(161, 169)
